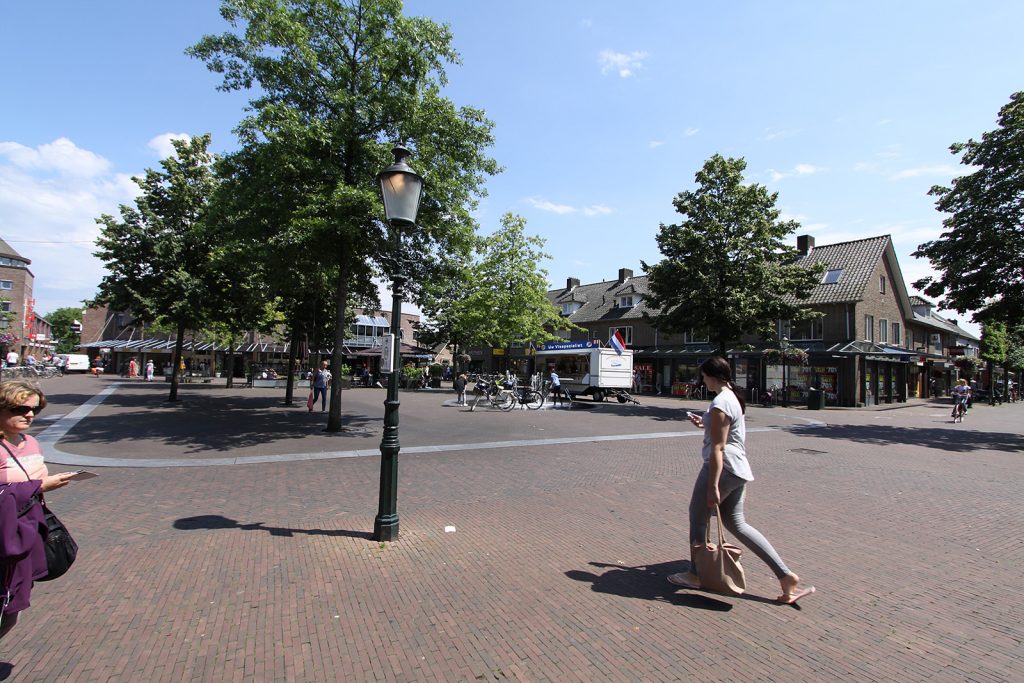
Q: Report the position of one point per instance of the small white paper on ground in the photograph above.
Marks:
(449, 530)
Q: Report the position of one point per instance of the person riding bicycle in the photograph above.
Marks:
(961, 394)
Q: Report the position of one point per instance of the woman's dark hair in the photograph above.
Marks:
(719, 368)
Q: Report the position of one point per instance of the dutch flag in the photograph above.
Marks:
(617, 342)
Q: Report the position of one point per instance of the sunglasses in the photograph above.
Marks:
(22, 411)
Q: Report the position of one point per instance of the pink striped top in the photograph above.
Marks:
(29, 454)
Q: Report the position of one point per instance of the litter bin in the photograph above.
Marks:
(815, 399)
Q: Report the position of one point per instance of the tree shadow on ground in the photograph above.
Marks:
(217, 422)
(211, 522)
(955, 439)
(650, 582)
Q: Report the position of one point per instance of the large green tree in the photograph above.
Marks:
(727, 269)
(498, 298)
(980, 253)
(335, 84)
(60, 321)
(993, 350)
(157, 254)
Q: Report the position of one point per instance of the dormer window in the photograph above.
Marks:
(832, 276)
(628, 301)
(570, 307)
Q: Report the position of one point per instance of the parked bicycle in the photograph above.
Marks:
(504, 394)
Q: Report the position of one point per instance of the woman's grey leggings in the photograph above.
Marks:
(731, 489)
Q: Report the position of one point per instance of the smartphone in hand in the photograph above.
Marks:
(83, 474)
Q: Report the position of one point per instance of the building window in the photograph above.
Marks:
(5, 306)
(883, 331)
(6, 284)
(570, 308)
(626, 332)
(896, 336)
(881, 284)
(691, 337)
(811, 329)
(832, 276)
(869, 328)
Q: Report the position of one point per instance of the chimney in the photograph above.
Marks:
(571, 282)
(804, 244)
(624, 274)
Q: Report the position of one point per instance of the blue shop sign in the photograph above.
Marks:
(570, 346)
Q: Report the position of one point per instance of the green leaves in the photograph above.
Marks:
(980, 253)
(728, 270)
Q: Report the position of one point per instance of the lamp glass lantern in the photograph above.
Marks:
(400, 187)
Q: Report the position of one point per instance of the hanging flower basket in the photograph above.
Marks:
(7, 339)
(790, 355)
(968, 365)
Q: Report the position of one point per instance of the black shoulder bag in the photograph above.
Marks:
(61, 549)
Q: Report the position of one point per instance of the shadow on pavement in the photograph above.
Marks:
(956, 439)
(646, 583)
(220, 522)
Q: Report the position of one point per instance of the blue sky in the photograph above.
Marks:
(603, 111)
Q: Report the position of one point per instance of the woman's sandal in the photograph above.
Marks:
(791, 598)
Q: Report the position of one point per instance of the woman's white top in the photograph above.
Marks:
(735, 458)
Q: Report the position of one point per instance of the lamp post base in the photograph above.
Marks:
(385, 528)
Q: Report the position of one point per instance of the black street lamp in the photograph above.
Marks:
(785, 371)
(400, 187)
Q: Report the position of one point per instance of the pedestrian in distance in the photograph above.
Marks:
(556, 389)
(722, 481)
(460, 389)
(150, 370)
(321, 383)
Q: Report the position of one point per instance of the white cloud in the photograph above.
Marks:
(60, 156)
(50, 197)
(689, 132)
(161, 144)
(621, 63)
(799, 169)
(550, 207)
(778, 133)
(944, 170)
(654, 144)
(565, 209)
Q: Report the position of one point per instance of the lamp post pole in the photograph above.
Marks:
(400, 189)
(785, 372)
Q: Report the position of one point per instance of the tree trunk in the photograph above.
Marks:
(179, 344)
(229, 364)
(289, 390)
(341, 305)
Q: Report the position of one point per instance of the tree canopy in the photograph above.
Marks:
(980, 253)
(727, 269)
(158, 256)
(335, 84)
(60, 321)
(500, 297)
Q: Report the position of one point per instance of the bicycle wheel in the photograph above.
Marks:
(532, 400)
(505, 401)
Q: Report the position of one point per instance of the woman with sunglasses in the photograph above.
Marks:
(723, 478)
(23, 477)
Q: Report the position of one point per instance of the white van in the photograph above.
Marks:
(75, 362)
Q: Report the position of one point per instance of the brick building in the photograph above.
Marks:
(31, 333)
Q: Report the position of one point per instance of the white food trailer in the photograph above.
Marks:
(585, 368)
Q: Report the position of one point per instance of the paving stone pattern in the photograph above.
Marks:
(909, 526)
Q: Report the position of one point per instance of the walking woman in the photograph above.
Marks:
(723, 478)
